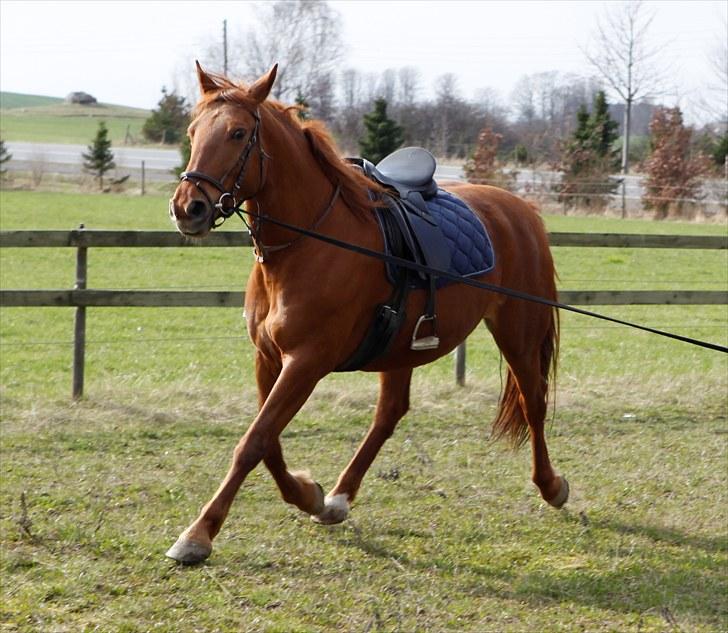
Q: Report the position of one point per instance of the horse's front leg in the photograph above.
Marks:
(393, 403)
(297, 488)
(290, 391)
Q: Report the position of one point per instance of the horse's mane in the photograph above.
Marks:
(355, 186)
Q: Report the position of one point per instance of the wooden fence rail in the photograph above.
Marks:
(80, 297)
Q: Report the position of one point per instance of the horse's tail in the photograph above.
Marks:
(510, 420)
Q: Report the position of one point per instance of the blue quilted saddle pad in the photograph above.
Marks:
(471, 250)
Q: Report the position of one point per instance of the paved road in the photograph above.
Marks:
(66, 159)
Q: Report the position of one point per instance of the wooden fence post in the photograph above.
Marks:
(143, 178)
(460, 364)
(79, 332)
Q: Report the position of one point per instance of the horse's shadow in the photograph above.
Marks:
(689, 577)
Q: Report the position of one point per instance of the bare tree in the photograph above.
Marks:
(303, 37)
(715, 101)
(622, 56)
(409, 84)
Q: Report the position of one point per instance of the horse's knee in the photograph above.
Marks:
(250, 451)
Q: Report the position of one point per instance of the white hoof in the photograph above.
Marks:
(188, 552)
(560, 499)
(336, 509)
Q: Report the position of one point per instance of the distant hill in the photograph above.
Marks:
(10, 100)
(38, 119)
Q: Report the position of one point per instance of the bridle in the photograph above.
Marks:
(228, 203)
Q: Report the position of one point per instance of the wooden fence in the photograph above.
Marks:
(82, 297)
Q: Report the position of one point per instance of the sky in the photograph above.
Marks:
(124, 52)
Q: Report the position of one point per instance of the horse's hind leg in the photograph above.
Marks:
(393, 403)
(529, 354)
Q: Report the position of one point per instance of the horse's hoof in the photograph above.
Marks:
(321, 499)
(188, 552)
(563, 495)
(336, 509)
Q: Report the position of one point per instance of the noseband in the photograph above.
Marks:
(228, 202)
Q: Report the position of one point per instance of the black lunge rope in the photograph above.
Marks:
(478, 284)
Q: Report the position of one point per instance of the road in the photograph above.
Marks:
(158, 163)
(66, 159)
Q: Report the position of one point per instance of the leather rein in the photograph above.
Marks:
(228, 203)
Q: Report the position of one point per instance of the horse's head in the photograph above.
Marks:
(226, 160)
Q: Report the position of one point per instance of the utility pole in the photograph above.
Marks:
(224, 48)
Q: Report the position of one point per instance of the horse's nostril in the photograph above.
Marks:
(196, 209)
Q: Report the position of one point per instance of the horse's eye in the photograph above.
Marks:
(239, 134)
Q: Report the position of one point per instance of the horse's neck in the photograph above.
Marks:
(296, 189)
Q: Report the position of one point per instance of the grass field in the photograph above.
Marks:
(48, 120)
(11, 100)
(447, 534)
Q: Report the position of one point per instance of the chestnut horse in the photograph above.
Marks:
(309, 304)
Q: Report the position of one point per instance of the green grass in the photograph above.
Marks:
(11, 100)
(447, 533)
(69, 123)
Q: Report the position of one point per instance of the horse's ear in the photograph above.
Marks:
(206, 82)
(260, 90)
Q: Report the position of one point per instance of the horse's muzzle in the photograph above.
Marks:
(192, 216)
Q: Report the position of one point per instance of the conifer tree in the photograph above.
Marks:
(304, 109)
(100, 158)
(588, 158)
(168, 122)
(5, 156)
(383, 135)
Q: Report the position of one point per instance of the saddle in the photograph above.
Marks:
(410, 232)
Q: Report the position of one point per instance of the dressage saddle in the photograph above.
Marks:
(411, 233)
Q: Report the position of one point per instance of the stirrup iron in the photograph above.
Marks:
(426, 342)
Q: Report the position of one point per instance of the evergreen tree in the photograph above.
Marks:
(720, 151)
(383, 135)
(100, 158)
(5, 156)
(603, 128)
(304, 113)
(589, 157)
(185, 150)
(168, 123)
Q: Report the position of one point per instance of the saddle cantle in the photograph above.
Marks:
(426, 225)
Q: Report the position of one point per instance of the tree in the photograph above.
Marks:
(588, 158)
(674, 173)
(304, 37)
(100, 158)
(168, 123)
(483, 167)
(383, 135)
(545, 105)
(5, 156)
(620, 55)
(185, 150)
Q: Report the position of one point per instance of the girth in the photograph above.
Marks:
(389, 316)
